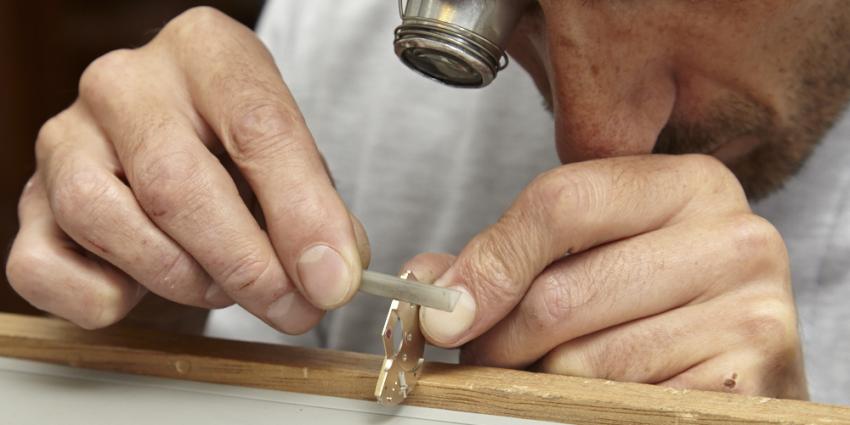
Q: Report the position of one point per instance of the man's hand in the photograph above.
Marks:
(649, 268)
(138, 188)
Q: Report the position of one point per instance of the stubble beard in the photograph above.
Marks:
(821, 93)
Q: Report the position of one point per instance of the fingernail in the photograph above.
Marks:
(278, 311)
(445, 327)
(325, 276)
(216, 296)
(291, 313)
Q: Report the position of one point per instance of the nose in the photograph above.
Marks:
(602, 111)
(611, 91)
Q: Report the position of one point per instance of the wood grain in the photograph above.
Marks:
(353, 375)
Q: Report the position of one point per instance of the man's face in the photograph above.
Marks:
(754, 83)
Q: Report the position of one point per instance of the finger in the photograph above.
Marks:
(50, 272)
(632, 279)
(98, 211)
(260, 126)
(363, 245)
(569, 210)
(187, 192)
(428, 266)
(648, 350)
(744, 372)
(733, 372)
(190, 196)
(767, 360)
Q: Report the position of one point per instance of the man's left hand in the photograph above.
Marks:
(647, 269)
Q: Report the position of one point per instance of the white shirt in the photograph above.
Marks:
(426, 167)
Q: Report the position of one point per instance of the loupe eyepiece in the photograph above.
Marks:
(456, 42)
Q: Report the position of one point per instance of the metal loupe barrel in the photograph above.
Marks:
(457, 42)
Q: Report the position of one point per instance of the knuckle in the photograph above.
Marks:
(263, 129)
(553, 306)
(79, 197)
(106, 74)
(758, 240)
(169, 184)
(770, 328)
(563, 293)
(142, 133)
(19, 271)
(49, 137)
(722, 180)
(566, 191)
(771, 325)
(195, 22)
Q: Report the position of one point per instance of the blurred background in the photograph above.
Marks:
(44, 47)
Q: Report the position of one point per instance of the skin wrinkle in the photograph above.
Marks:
(78, 192)
(262, 131)
(170, 268)
(161, 184)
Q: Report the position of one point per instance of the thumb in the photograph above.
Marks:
(427, 268)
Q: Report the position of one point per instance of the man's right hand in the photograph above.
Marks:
(137, 188)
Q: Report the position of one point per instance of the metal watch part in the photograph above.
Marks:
(403, 364)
